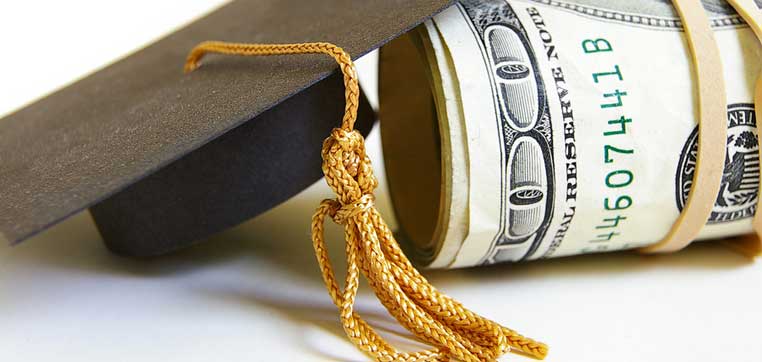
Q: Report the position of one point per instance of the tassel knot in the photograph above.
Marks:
(346, 166)
(344, 214)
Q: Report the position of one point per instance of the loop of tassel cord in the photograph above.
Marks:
(371, 249)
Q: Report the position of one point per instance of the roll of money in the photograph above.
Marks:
(528, 129)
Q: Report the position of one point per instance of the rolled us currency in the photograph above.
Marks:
(529, 129)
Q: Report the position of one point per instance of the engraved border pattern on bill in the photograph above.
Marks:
(523, 123)
(654, 14)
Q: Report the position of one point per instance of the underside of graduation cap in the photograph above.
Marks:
(165, 159)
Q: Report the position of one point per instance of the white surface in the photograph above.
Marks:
(254, 293)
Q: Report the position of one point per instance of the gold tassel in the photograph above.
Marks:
(371, 249)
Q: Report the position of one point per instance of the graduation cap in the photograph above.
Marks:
(163, 159)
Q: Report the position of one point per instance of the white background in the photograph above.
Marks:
(254, 293)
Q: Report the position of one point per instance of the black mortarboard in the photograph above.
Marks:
(164, 159)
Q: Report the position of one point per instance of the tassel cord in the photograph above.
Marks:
(371, 250)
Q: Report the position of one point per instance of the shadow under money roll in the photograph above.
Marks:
(510, 133)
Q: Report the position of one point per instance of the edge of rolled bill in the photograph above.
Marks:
(523, 130)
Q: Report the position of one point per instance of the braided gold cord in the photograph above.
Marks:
(371, 249)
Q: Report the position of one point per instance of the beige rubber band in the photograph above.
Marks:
(753, 15)
(712, 123)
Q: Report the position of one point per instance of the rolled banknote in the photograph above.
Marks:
(528, 129)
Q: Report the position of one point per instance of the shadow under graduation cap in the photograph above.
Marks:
(166, 159)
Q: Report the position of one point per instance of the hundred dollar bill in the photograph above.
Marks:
(565, 127)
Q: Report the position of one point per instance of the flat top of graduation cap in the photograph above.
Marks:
(94, 140)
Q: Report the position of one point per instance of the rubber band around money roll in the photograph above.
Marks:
(712, 107)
